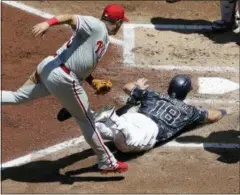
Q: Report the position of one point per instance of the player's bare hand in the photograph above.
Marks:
(40, 29)
(142, 83)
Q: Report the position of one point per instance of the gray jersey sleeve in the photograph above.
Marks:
(84, 25)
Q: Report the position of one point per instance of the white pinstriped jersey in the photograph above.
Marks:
(86, 47)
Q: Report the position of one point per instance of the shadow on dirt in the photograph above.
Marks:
(118, 154)
(49, 171)
(226, 155)
(220, 38)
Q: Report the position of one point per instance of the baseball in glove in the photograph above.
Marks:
(101, 86)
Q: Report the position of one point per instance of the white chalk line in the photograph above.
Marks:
(202, 145)
(76, 141)
(170, 26)
(28, 9)
(128, 45)
(41, 153)
(193, 68)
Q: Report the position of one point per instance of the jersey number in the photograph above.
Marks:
(169, 115)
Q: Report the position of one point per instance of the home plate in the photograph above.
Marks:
(216, 85)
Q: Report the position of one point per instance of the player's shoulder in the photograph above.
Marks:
(152, 93)
(91, 21)
(96, 22)
(91, 18)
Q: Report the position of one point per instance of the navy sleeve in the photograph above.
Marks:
(198, 115)
(137, 94)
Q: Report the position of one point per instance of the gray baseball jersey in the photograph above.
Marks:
(86, 47)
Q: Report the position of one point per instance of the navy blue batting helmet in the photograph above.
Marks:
(179, 86)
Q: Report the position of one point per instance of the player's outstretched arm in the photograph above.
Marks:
(215, 115)
(42, 27)
(140, 83)
(128, 88)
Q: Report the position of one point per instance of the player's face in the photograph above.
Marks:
(117, 27)
(113, 27)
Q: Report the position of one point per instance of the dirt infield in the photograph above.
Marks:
(33, 126)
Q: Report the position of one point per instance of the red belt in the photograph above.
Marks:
(65, 69)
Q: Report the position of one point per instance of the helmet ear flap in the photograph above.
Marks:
(179, 87)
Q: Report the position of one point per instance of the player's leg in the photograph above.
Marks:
(227, 16)
(105, 131)
(73, 97)
(32, 89)
(228, 11)
(131, 132)
(135, 133)
(106, 122)
(79, 108)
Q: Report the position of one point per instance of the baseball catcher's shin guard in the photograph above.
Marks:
(63, 115)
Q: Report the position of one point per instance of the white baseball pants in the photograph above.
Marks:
(131, 132)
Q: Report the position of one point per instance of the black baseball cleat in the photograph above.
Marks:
(63, 115)
(172, 1)
(222, 26)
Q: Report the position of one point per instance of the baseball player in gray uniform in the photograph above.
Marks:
(61, 75)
